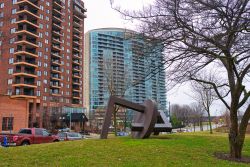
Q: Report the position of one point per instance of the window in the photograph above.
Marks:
(1, 24)
(1, 5)
(12, 40)
(41, 16)
(13, 11)
(38, 93)
(40, 54)
(11, 60)
(40, 35)
(25, 131)
(45, 133)
(13, 30)
(7, 123)
(38, 83)
(12, 50)
(9, 92)
(9, 81)
(1, 14)
(14, 1)
(39, 132)
(39, 73)
(13, 21)
(10, 71)
(39, 63)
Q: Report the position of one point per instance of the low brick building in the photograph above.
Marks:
(14, 114)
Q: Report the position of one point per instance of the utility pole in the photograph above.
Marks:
(69, 115)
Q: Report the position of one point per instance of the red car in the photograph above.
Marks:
(29, 136)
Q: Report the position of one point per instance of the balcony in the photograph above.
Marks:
(55, 85)
(76, 49)
(25, 52)
(79, 12)
(55, 92)
(27, 32)
(56, 47)
(76, 62)
(55, 77)
(57, 62)
(76, 75)
(57, 26)
(25, 21)
(56, 55)
(78, 18)
(58, 5)
(24, 12)
(26, 84)
(27, 73)
(76, 69)
(57, 33)
(57, 19)
(56, 40)
(56, 69)
(26, 42)
(76, 90)
(76, 24)
(75, 42)
(57, 11)
(21, 2)
(76, 82)
(77, 31)
(77, 37)
(26, 63)
(24, 94)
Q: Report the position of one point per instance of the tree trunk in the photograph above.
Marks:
(194, 126)
(236, 135)
(209, 121)
(201, 126)
(236, 145)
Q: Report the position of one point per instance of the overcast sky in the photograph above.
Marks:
(100, 15)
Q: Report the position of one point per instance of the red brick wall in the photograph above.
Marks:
(18, 108)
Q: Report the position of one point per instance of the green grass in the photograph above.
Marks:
(186, 149)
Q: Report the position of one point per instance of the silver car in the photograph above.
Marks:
(67, 136)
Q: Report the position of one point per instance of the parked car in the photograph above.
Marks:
(66, 136)
(84, 132)
(28, 136)
(64, 130)
(122, 134)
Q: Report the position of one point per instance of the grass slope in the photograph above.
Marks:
(187, 149)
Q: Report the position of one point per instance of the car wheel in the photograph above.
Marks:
(25, 143)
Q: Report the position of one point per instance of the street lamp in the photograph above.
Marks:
(69, 115)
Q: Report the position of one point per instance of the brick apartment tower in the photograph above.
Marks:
(41, 53)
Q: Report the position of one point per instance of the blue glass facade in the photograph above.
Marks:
(131, 69)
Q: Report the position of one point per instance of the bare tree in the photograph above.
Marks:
(117, 81)
(197, 35)
(205, 95)
(198, 112)
(183, 114)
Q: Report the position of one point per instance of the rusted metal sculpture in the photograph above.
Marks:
(147, 119)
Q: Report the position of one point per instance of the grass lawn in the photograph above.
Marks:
(186, 149)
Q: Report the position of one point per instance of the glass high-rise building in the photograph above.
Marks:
(117, 63)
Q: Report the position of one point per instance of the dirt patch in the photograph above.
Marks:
(227, 157)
